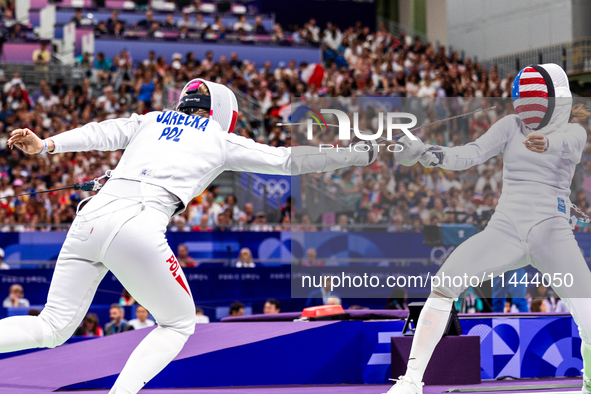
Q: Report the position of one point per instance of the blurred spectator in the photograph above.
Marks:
(101, 29)
(538, 305)
(258, 26)
(245, 259)
(333, 300)
(118, 323)
(360, 61)
(217, 24)
(242, 24)
(154, 30)
(200, 317)
(169, 22)
(90, 327)
(545, 295)
(200, 24)
(141, 318)
(126, 299)
(194, 7)
(510, 307)
(341, 224)
(469, 303)
(148, 21)
(310, 260)
(182, 255)
(113, 21)
(185, 21)
(272, 306)
(236, 309)
(3, 265)
(42, 55)
(260, 223)
(79, 19)
(15, 297)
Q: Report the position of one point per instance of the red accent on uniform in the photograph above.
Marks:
(194, 85)
(531, 81)
(531, 107)
(176, 275)
(535, 119)
(180, 280)
(534, 93)
(233, 122)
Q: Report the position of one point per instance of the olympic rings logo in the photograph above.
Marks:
(280, 187)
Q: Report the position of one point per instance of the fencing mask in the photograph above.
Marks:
(221, 102)
(542, 98)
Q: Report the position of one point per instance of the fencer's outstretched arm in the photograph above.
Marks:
(568, 145)
(108, 135)
(244, 154)
(474, 153)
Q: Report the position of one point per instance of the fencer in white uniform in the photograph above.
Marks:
(170, 157)
(531, 221)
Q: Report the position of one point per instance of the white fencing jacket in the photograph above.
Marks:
(535, 186)
(184, 154)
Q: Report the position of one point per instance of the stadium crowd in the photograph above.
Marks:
(356, 62)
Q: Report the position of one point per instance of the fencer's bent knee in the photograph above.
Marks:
(54, 335)
(183, 324)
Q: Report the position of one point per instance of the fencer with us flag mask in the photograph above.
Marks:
(170, 157)
(531, 221)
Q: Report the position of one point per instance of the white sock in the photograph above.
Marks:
(22, 332)
(154, 353)
(432, 323)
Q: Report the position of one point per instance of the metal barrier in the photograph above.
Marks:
(251, 108)
(244, 186)
(33, 74)
(396, 28)
(573, 57)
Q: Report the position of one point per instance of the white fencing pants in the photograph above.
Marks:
(550, 246)
(128, 238)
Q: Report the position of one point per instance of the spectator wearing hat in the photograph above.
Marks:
(16, 298)
(176, 61)
(3, 265)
